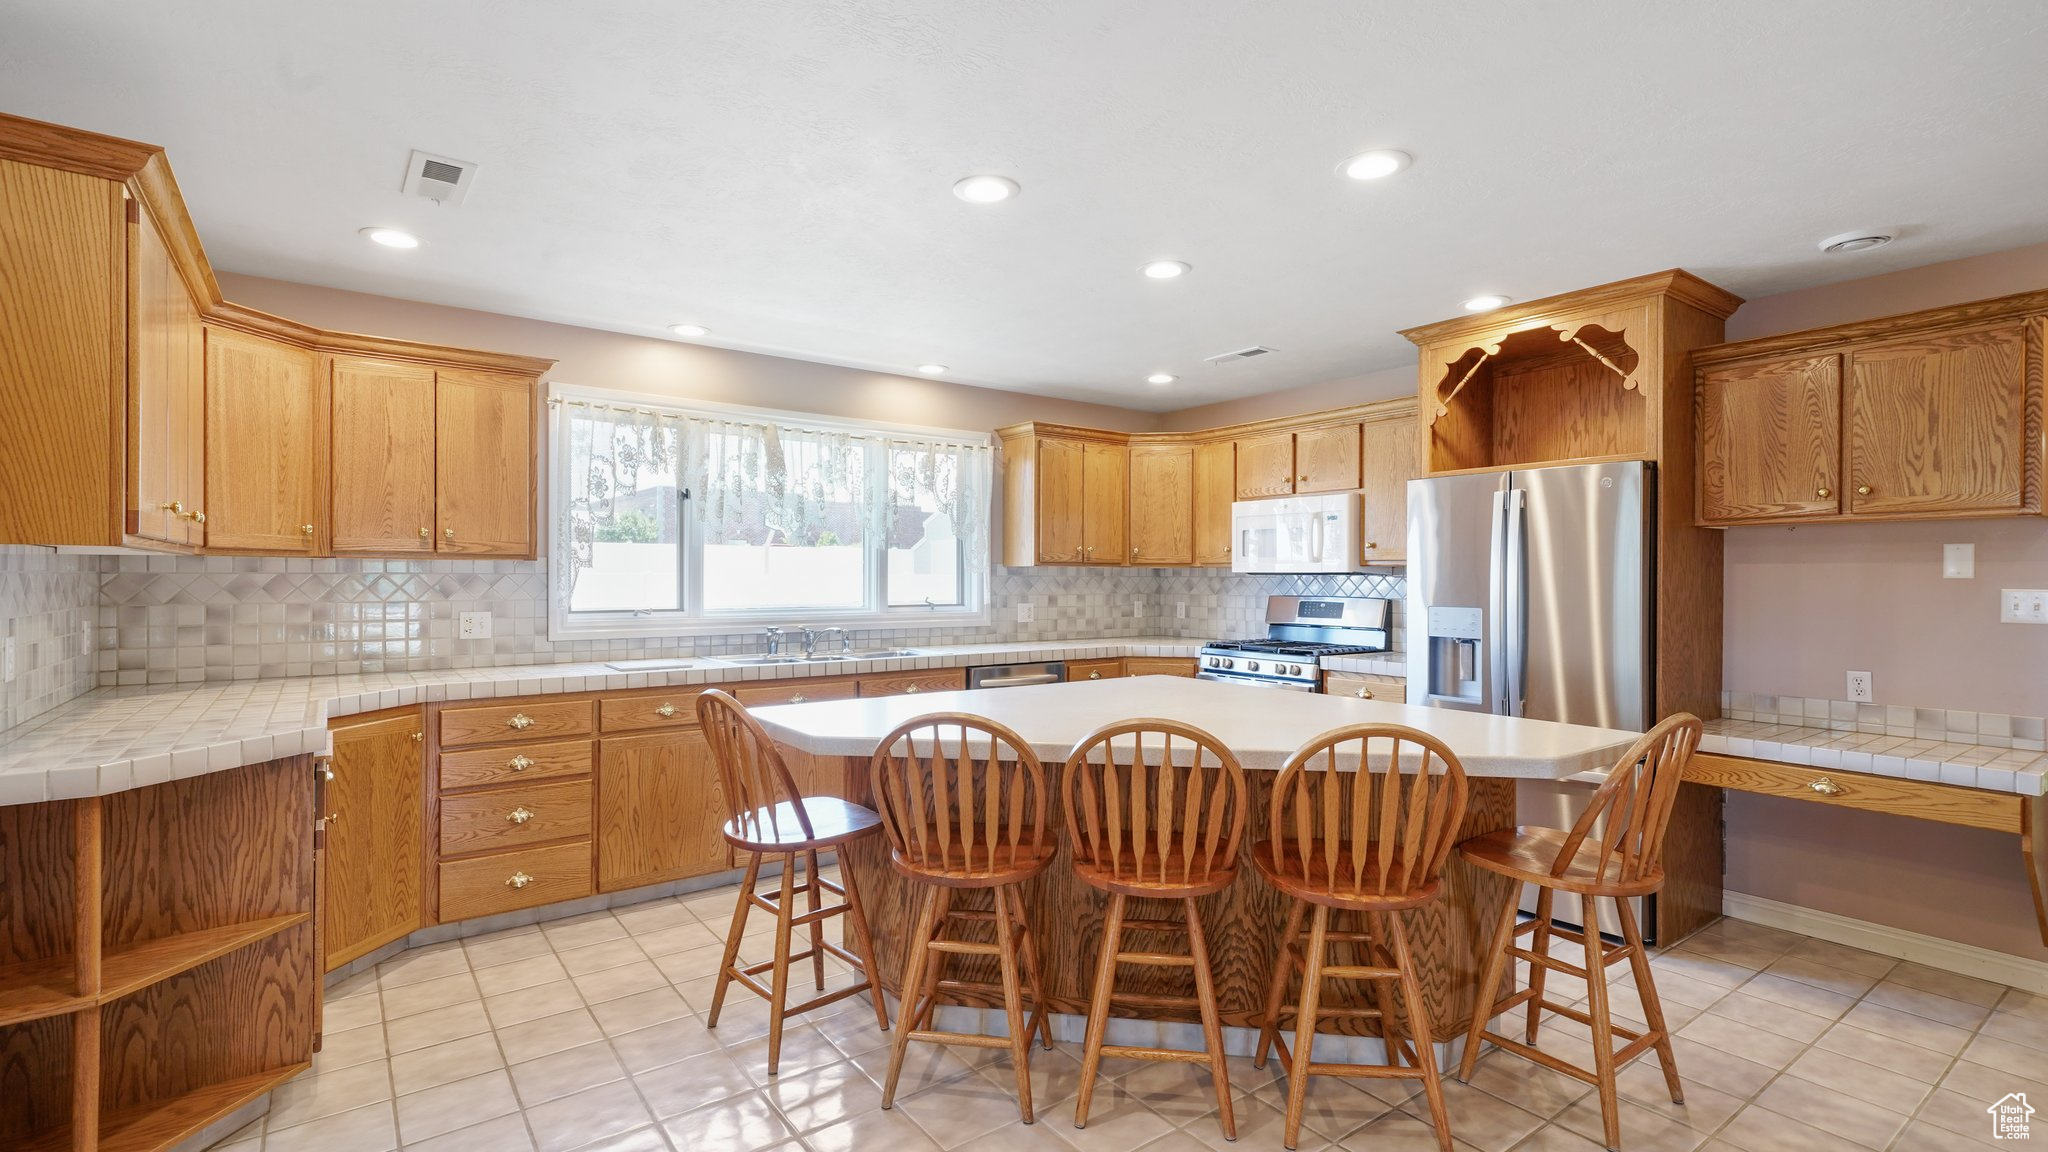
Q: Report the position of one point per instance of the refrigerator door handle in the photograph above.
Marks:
(1496, 641)
(1515, 594)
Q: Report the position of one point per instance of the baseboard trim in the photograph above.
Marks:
(1947, 955)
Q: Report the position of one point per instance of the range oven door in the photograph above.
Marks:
(1256, 681)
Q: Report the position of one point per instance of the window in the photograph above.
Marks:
(678, 520)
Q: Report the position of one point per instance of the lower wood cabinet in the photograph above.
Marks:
(373, 863)
(509, 881)
(1366, 686)
(1095, 669)
(660, 809)
(1159, 666)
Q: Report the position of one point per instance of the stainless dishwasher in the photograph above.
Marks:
(1017, 675)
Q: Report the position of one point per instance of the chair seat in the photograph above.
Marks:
(990, 865)
(1293, 878)
(833, 821)
(1145, 874)
(1530, 855)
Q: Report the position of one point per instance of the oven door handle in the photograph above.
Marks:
(1018, 681)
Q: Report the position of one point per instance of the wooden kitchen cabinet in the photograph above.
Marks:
(374, 861)
(1938, 426)
(1095, 669)
(1063, 498)
(659, 809)
(1162, 508)
(1770, 440)
(265, 445)
(1326, 459)
(483, 463)
(1265, 465)
(1215, 489)
(1107, 468)
(166, 402)
(1387, 459)
(1160, 666)
(382, 487)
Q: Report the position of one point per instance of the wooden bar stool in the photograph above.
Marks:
(1615, 851)
(963, 803)
(1153, 819)
(768, 818)
(1362, 820)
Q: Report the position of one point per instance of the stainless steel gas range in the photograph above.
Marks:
(1300, 632)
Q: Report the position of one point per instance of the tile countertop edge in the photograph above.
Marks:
(44, 760)
(1961, 765)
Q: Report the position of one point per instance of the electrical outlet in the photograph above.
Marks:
(1958, 561)
(1180, 610)
(1137, 605)
(7, 658)
(473, 626)
(1026, 612)
(1860, 689)
(2023, 606)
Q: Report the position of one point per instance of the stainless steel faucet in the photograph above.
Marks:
(774, 640)
(845, 639)
(810, 643)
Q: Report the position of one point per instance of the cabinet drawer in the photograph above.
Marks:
(1159, 666)
(534, 720)
(796, 692)
(507, 881)
(911, 683)
(1365, 686)
(637, 711)
(512, 817)
(1094, 669)
(514, 764)
(1945, 803)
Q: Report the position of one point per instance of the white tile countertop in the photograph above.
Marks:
(1262, 726)
(1964, 765)
(114, 739)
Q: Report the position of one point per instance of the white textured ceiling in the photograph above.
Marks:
(779, 169)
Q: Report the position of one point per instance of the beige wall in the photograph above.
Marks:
(1384, 384)
(1805, 605)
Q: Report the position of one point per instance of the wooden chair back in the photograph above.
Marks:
(1382, 829)
(1154, 800)
(751, 774)
(1635, 803)
(954, 790)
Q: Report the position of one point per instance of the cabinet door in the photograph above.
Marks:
(1770, 440)
(1387, 459)
(263, 444)
(375, 859)
(1062, 501)
(1106, 488)
(382, 476)
(166, 396)
(1163, 505)
(1215, 489)
(660, 810)
(1326, 459)
(1265, 466)
(483, 463)
(1939, 425)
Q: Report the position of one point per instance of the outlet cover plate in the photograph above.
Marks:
(1958, 561)
(1026, 612)
(2023, 606)
(473, 626)
(1860, 689)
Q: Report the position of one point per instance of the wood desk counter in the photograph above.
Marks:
(1245, 920)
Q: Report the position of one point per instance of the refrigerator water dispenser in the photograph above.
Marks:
(1452, 650)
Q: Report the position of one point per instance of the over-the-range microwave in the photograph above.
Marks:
(1296, 534)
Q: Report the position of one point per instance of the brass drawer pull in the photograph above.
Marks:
(519, 816)
(1364, 693)
(797, 698)
(1095, 675)
(910, 691)
(665, 711)
(1826, 787)
(520, 721)
(518, 880)
(519, 764)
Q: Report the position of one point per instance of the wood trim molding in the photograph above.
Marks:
(1906, 325)
(1674, 284)
(1396, 408)
(250, 320)
(1885, 940)
(72, 149)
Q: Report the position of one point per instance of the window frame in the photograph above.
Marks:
(692, 619)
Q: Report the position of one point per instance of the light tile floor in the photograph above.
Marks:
(589, 1034)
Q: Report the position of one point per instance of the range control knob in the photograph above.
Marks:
(1294, 669)
(1251, 665)
(1229, 663)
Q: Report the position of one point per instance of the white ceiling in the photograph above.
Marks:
(780, 169)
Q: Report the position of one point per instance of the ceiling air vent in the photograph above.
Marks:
(1240, 354)
(442, 179)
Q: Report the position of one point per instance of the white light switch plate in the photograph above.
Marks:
(2023, 606)
(473, 626)
(1958, 561)
(1026, 612)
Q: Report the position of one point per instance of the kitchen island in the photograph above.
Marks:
(1244, 922)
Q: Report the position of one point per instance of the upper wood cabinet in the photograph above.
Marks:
(1265, 465)
(382, 492)
(1063, 498)
(1387, 448)
(266, 445)
(1930, 415)
(1162, 519)
(1326, 459)
(373, 892)
(1215, 491)
(484, 463)
(166, 402)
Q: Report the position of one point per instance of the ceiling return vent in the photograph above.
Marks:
(1240, 354)
(442, 179)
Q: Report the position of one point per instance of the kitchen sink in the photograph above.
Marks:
(653, 665)
(822, 657)
(773, 659)
(883, 653)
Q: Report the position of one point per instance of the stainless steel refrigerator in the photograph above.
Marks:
(1529, 595)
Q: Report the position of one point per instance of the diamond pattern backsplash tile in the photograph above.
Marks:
(47, 603)
(184, 619)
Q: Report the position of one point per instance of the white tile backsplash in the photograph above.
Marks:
(47, 603)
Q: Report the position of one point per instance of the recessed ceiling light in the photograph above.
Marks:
(932, 369)
(1160, 378)
(1165, 269)
(691, 330)
(1860, 240)
(1375, 164)
(985, 189)
(391, 237)
(1486, 303)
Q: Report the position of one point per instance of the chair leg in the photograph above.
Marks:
(1540, 945)
(935, 960)
(1212, 1023)
(1305, 1026)
(1098, 1005)
(817, 895)
(732, 938)
(1483, 1009)
(864, 946)
(1041, 1015)
(1013, 1006)
(1418, 1027)
(914, 966)
(785, 908)
(1603, 1024)
(1653, 1006)
(1276, 988)
(1378, 943)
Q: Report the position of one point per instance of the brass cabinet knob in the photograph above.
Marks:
(1077, 551)
(1823, 493)
(1090, 550)
(327, 773)
(177, 506)
(305, 529)
(519, 816)
(798, 698)
(419, 737)
(911, 691)
(1299, 479)
(518, 880)
(425, 533)
(331, 817)
(1363, 693)
(1134, 553)
(1371, 544)
(1095, 675)
(448, 532)
(520, 722)
(196, 517)
(1863, 489)
(1826, 787)
(665, 711)
(519, 764)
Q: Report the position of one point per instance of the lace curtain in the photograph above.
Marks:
(766, 483)
(949, 480)
(614, 453)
